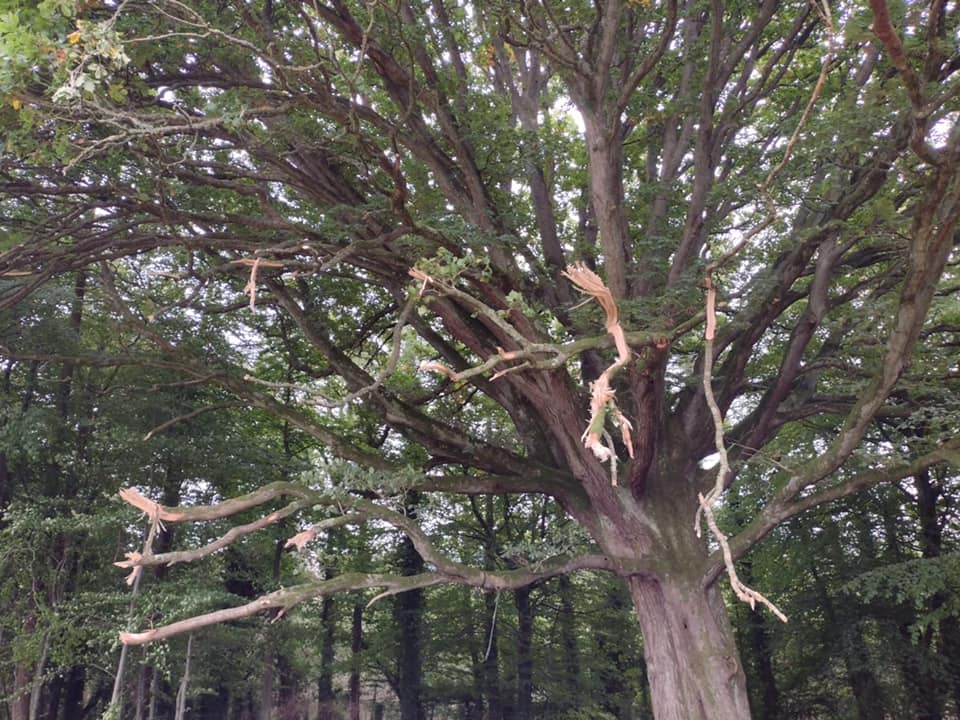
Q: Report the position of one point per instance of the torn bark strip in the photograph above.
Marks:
(254, 264)
(705, 507)
(602, 396)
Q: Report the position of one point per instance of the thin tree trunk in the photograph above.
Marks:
(37, 685)
(287, 696)
(473, 706)
(567, 629)
(267, 682)
(116, 697)
(856, 659)
(73, 693)
(758, 643)
(408, 613)
(54, 696)
(524, 706)
(950, 649)
(154, 687)
(20, 703)
(356, 647)
(491, 660)
(929, 695)
(23, 679)
(616, 697)
(408, 609)
(325, 695)
(769, 694)
(184, 683)
(140, 708)
(690, 651)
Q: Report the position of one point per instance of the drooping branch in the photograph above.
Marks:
(355, 510)
(287, 598)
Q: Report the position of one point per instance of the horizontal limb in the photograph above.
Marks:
(286, 598)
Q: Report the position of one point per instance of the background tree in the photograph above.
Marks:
(287, 165)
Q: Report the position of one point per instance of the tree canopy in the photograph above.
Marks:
(635, 257)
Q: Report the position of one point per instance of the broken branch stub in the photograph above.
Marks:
(300, 540)
(132, 496)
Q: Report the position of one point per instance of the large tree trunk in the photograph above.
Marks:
(691, 655)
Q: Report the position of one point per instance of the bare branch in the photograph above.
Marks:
(190, 415)
(746, 594)
(287, 598)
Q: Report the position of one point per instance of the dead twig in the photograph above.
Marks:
(724, 472)
(746, 594)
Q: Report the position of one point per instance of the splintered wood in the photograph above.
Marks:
(131, 496)
(602, 396)
(300, 540)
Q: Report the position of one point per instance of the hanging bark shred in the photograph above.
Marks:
(746, 594)
(255, 264)
(602, 396)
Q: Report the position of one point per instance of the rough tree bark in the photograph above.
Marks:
(690, 651)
